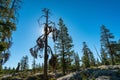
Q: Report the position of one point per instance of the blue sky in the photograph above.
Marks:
(82, 17)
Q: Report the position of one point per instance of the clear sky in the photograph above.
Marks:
(82, 17)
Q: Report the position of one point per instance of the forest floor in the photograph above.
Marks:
(100, 73)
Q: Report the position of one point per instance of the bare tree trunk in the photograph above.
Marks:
(45, 61)
(46, 44)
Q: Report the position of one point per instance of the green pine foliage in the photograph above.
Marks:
(24, 63)
(85, 58)
(8, 16)
(64, 47)
(88, 57)
(77, 61)
(116, 47)
(110, 49)
(92, 59)
(106, 37)
(104, 57)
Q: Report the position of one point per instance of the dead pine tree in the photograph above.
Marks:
(42, 41)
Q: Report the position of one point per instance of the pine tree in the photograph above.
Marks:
(42, 41)
(92, 59)
(64, 46)
(98, 62)
(77, 61)
(88, 57)
(116, 47)
(34, 65)
(85, 58)
(8, 9)
(24, 63)
(104, 57)
(106, 37)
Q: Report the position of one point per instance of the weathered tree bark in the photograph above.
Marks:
(42, 42)
(46, 44)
